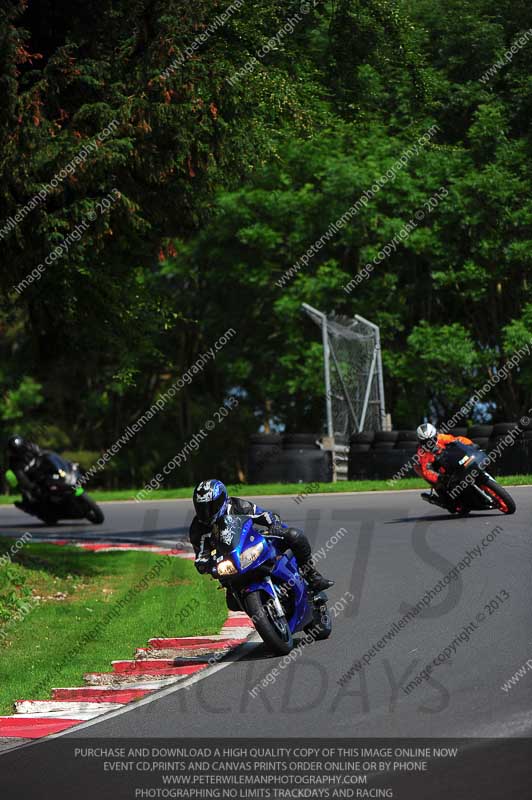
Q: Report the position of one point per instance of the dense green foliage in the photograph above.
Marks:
(218, 186)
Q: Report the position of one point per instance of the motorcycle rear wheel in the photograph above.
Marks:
(274, 631)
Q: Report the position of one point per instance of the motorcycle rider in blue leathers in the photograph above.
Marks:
(211, 502)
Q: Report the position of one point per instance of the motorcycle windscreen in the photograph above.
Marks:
(52, 462)
(452, 454)
(459, 455)
(55, 467)
(228, 531)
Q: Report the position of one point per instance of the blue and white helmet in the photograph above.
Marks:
(210, 501)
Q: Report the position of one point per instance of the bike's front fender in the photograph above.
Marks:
(303, 610)
(259, 586)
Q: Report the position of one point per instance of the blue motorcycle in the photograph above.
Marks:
(266, 584)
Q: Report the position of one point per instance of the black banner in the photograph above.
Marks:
(195, 769)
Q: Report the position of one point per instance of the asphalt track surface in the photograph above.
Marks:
(394, 549)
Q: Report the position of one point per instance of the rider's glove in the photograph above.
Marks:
(11, 478)
(202, 564)
(276, 529)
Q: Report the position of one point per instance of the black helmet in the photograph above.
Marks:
(17, 445)
(210, 501)
(21, 449)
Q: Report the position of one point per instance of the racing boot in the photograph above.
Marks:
(433, 498)
(315, 579)
(300, 547)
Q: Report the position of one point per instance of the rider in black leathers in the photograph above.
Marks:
(24, 460)
(212, 502)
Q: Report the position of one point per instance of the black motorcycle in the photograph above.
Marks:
(465, 485)
(58, 495)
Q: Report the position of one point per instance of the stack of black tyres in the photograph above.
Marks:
(525, 444)
(480, 434)
(303, 460)
(406, 441)
(385, 440)
(514, 455)
(292, 458)
(502, 429)
(359, 461)
(361, 442)
(300, 441)
(391, 451)
(527, 430)
(263, 455)
(381, 454)
(459, 432)
(384, 454)
(507, 453)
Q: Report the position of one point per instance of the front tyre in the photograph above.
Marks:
(503, 499)
(49, 519)
(94, 512)
(273, 630)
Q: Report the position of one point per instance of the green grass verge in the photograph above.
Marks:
(281, 488)
(70, 630)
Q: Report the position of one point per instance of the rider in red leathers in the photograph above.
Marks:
(431, 445)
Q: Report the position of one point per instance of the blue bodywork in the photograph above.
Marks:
(237, 535)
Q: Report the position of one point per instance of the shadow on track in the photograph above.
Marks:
(42, 525)
(260, 651)
(437, 518)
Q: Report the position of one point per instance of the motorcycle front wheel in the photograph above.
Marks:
(502, 498)
(273, 630)
(94, 512)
